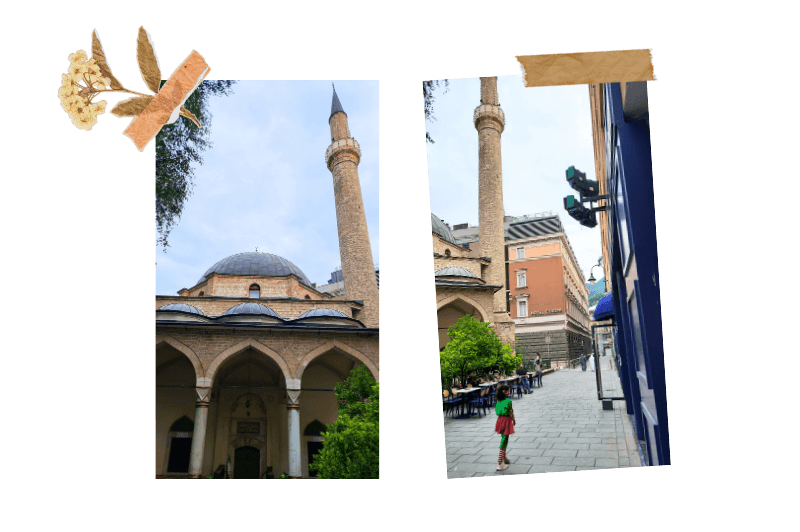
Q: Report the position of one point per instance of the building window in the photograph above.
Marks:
(308, 297)
(446, 252)
(201, 294)
(521, 279)
(520, 253)
(255, 291)
(522, 308)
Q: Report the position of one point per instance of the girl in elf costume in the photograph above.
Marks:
(505, 424)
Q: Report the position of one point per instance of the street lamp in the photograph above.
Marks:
(591, 279)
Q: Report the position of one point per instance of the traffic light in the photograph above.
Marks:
(583, 215)
(589, 191)
(577, 180)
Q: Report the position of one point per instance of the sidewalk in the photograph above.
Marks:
(560, 427)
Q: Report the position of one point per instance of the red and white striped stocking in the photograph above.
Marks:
(502, 456)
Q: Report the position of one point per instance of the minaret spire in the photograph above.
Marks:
(336, 105)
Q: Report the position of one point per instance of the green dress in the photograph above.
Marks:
(504, 425)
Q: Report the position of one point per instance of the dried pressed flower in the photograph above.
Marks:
(82, 82)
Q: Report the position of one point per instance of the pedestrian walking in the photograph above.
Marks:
(582, 360)
(523, 378)
(591, 361)
(505, 424)
(537, 367)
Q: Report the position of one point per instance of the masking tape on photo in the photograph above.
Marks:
(165, 106)
(587, 68)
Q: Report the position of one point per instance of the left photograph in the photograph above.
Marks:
(267, 339)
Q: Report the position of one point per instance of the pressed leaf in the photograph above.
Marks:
(148, 64)
(188, 114)
(100, 57)
(132, 106)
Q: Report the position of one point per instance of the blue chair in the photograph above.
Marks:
(450, 404)
(478, 403)
(491, 395)
(487, 399)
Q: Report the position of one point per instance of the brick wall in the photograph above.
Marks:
(285, 309)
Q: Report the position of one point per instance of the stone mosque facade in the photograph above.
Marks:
(247, 358)
(474, 281)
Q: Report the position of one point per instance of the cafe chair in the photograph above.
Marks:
(450, 403)
(491, 395)
(479, 402)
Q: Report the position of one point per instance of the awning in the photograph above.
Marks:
(605, 308)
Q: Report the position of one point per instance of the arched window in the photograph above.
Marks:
(308, 297)
(446, 252)
(255, 291)
(201, 294)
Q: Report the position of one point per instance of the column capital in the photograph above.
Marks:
(294, 398)
(203, 395)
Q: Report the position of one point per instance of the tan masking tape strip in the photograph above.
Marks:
(588, 67)
(169, 98)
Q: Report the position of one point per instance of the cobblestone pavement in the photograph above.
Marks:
(560, 427)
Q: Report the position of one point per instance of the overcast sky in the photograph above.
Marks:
(548, 129)
(264, 183)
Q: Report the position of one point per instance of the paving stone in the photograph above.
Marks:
(576, 446)
(533, 460)
(598, 454)
(573, 461)
(569, 453)
(606, 462)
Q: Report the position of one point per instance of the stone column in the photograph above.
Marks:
(293, 406)
(199, 435)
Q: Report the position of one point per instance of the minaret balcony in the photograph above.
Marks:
(348, 146)
(492, 113)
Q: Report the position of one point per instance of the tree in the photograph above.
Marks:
(428, 88)
(472, 346)
(350, 448)
(178, 145)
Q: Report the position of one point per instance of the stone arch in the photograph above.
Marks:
(257, 346)
(456, 297)
(198, 366)
(341, 346)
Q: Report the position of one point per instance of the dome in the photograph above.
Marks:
(251, 308)
(438, 227)
(182, 308)
(256, 263)
(453, 271)
(323, 312)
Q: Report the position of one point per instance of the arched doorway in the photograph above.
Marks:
(246, 462)
(175, 410)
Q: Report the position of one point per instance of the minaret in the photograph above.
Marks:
(342, 158)
(490, 121)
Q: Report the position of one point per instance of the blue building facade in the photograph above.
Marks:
(621, 131)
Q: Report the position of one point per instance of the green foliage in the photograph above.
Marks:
(508, 361)
(472, 346)
(428, 88)
(350, 449)
(178, 146)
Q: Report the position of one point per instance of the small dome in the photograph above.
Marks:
(324, 312)
(453, 271)
(438, 227)
(256, 263)
(182, 308)
(251, 308)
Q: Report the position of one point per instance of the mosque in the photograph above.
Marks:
(247, 358)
